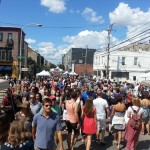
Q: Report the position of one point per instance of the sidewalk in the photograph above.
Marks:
(2, 80)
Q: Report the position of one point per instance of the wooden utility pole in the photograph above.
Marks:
(108, 50)
(85, 63)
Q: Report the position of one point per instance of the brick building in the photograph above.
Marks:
(79, 60)
(10, 52)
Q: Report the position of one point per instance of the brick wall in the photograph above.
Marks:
(15, 41)
(80, 69)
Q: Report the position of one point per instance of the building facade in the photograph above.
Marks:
(79, 60)
(10, 57)
(10, 51)
(127, 63)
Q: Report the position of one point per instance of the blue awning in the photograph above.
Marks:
(5, 68)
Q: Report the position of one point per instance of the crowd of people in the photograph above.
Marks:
(33, 111)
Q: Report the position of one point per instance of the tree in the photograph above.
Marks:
(52, 65)
(61, 66)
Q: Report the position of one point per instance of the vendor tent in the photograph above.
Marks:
(51, 70)
(66, 72)
(43, 73)
(73, 73)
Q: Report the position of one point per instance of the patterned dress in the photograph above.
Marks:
(118, 121)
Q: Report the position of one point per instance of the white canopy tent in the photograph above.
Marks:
(43, 73)
(66, 72)
(51, 70)
(73, 74)
(57, 68)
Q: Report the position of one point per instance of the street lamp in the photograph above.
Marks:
(30, 25)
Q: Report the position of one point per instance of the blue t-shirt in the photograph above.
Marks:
(85, 95)
(45, 129)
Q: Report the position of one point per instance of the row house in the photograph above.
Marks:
(127, 63)
(79, 60)
(10, 38)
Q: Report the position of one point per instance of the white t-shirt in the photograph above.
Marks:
(135, 108)
(100, 105)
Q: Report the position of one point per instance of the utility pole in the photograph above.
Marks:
(108, 50)
(85, 63)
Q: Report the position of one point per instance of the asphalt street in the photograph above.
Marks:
(4, 84)
(144, 140)
(144, 143)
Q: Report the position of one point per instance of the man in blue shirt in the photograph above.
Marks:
(86, 94)
(44, 126)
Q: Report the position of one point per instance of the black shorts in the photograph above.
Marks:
(72, 126)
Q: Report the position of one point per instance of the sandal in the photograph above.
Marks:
(142, 133)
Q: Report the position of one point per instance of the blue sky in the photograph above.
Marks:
(74, 23)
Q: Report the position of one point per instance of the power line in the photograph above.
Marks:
(131, 44)
(115, 24)
(55, 27)
(134, 37)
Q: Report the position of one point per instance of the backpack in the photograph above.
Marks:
(135, 121)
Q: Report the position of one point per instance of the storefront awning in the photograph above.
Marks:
(5, 68)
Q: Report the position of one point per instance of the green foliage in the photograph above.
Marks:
(61, 66)
(52, 65)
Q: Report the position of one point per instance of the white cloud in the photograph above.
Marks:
(134, 19)
(46, 48)
(91, 16)
(92, 39)
(72, 11)
(30, 41)
(50, 52)
(55, 6)
(126, 16)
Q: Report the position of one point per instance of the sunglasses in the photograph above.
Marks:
(31, 97)
(47, 105)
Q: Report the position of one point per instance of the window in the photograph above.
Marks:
(10, 55)
(134, 78)
(1, 37)
(5, 55)
(80, 61)
(123, 60)
(83, 54)
(102, 59)
(10, 36)
(135, 60)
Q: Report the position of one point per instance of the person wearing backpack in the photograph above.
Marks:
(145, 104)
(134, 125)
